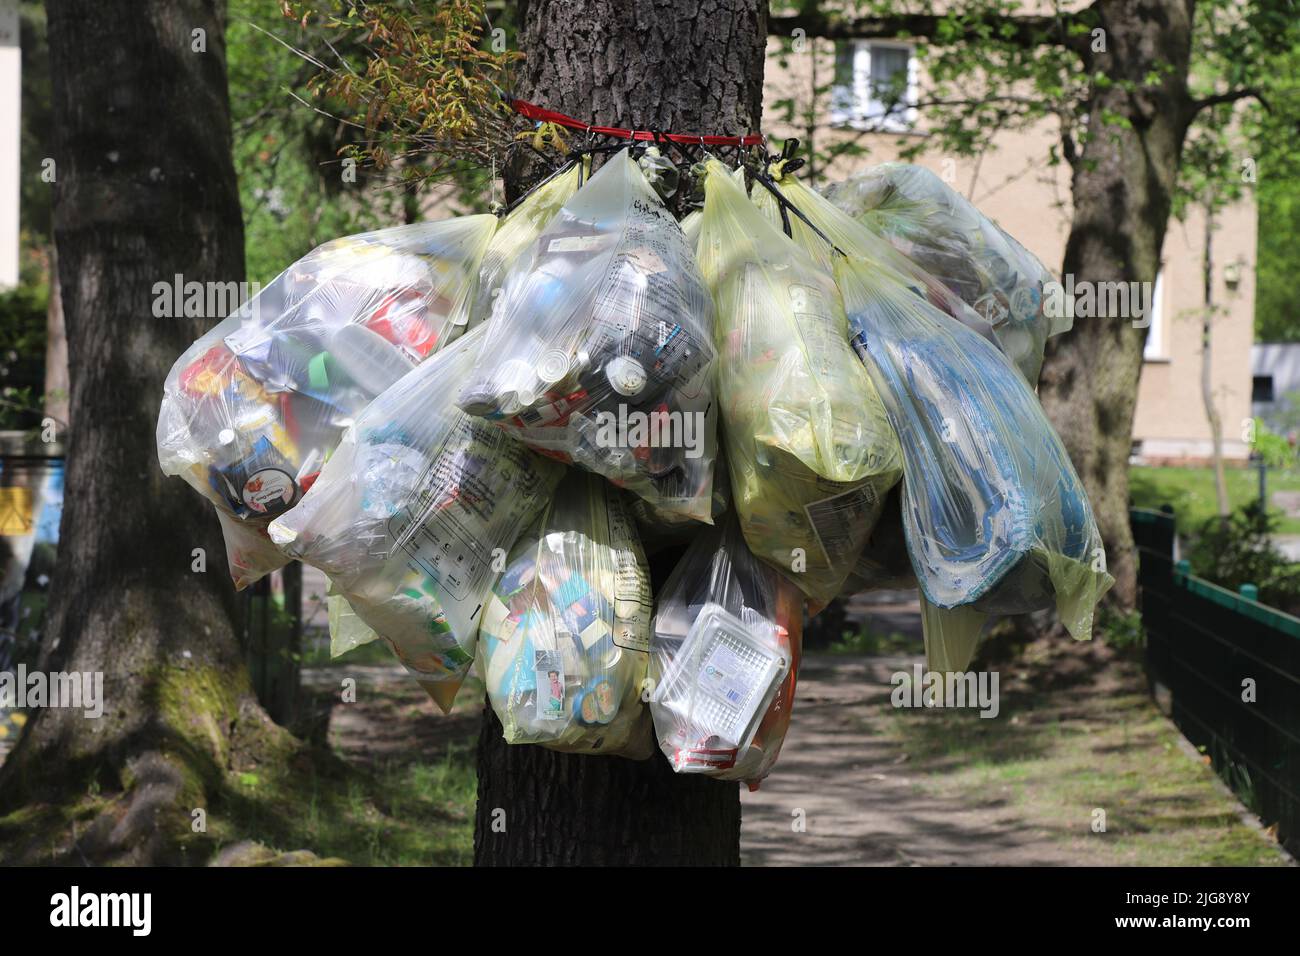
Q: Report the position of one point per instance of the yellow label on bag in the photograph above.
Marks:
(16, 511)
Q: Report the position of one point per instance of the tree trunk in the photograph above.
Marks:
(1207, 377)
(56, 354)
(1123, 185)
(145, 190)
(638, 65)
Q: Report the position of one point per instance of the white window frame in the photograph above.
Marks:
(1154, 350)
(859, 112)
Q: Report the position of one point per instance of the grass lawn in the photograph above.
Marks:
(1191, 492)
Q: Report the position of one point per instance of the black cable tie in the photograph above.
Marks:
(770, 184)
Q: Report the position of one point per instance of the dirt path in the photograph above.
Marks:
(862, 801)
(1078, 768)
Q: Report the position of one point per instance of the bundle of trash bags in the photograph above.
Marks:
(479, 428)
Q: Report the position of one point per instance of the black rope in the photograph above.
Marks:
(557, 171)
(770, 184)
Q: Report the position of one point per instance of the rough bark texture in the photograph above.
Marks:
(654, 64)
(1122, 190)
(56, 353)
(145, 190)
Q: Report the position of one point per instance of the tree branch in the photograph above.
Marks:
(1025, 31)
(1232, 96)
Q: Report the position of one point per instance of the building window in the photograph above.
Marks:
(874, 85)
(1261, 388)
(1155, 347)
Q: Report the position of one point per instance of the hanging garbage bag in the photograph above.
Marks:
(996, 518)
(516, 233)
(408, 512)
(252, 410)
(810, 451)
(564, 643)
(884, 564)
(947, 236)
(724, 659)
(347, 631)
(598, 348)
(824, 231)
(662, 529)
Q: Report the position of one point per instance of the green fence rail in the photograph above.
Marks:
(1231, 668)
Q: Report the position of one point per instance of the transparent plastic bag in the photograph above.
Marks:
(884, 564)
(516, 233)
(997, 520)
(810, 451)
(252, 410)
(407, 513)
(947, 236)
(853, 238)
(662, 529)
(347, 631)
(724, 659)
(565, 638)
(598, 349)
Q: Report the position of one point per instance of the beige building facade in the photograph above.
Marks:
(1013, 184)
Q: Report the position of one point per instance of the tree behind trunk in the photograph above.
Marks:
(638, 65)
(1123, 185)
(145, 191)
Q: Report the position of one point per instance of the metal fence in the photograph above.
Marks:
(1229, 668)
(272, 611)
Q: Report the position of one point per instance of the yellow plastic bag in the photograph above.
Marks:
(854, 238)
(728, 634)
(516, 233)
(810, 451)
(565, 638)
(996, 517)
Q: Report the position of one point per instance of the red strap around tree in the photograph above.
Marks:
(539, 114)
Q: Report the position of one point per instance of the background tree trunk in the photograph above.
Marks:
(1207, 372)
(56, 353)
(145, 190)
(653, 64)
(1123, 185)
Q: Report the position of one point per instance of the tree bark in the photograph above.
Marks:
(1123, 185)
(1207, 372)
(654, 64)
(56, 354)
(145, 190)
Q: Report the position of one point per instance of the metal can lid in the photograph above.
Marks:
(553, 366)
(626, 375)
